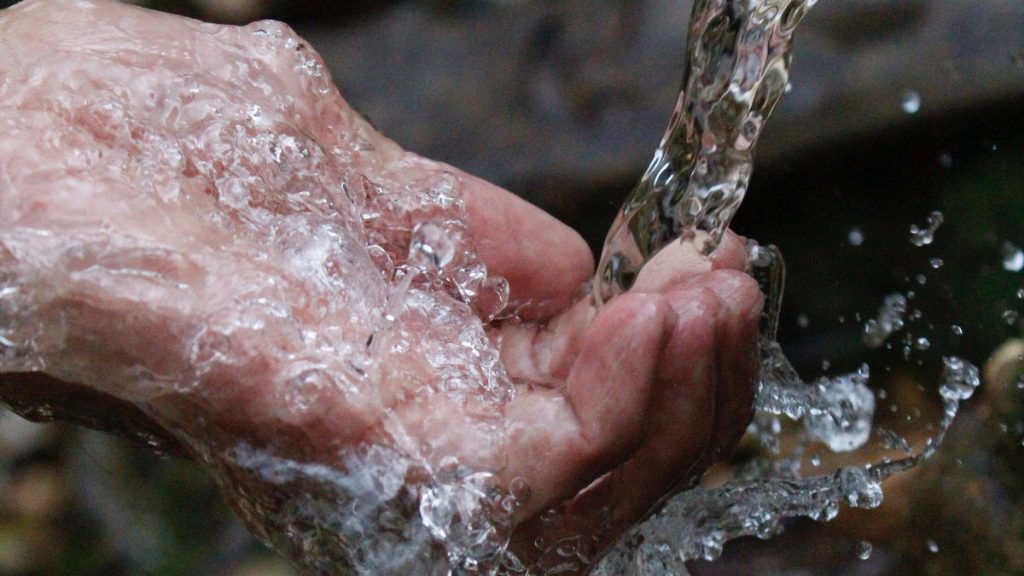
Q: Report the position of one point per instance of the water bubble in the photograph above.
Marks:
(864, 550)
(304, 389)
(803, 321)
(946, 160)
(932, 546)
(855, 236)
(1020, 293)
(433, 247)
(936, 263)
(925, 236)
(922, 343)
(1013, 257)
(492, 298)
(957, 330)
(911, 102)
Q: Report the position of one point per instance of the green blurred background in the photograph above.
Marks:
(563, 102)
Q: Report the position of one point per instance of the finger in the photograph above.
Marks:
(736, 344)
(681, 263)
(560, 441)
(678, 430)
(544, 260)
(701, 402)
(680, 424)
(731, 253)
(545, 353)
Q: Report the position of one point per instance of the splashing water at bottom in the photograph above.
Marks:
(758, 496)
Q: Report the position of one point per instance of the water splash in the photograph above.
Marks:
(758, 497)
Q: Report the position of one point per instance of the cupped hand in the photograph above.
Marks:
(194, 223)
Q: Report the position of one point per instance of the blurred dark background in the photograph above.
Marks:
(898, 108)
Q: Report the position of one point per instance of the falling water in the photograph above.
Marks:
(738, 57)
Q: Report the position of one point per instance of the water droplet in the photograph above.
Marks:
(911, 103)
(1013, 258)
(1011, 317)
(864, 550)
(803, 321)
(888, 321)
(925, 236)
(855, 236)
(922, 343)
(1020, 293)
(959, 379)
(936, 263)
(957, 330)
(946, 160)
(932, 545)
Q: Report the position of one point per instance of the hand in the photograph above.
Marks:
(196, 230)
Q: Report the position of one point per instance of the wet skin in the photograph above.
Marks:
(615, 407)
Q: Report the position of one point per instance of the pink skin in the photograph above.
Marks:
(616, 406)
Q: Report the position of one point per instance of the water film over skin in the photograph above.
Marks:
(382, 359)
